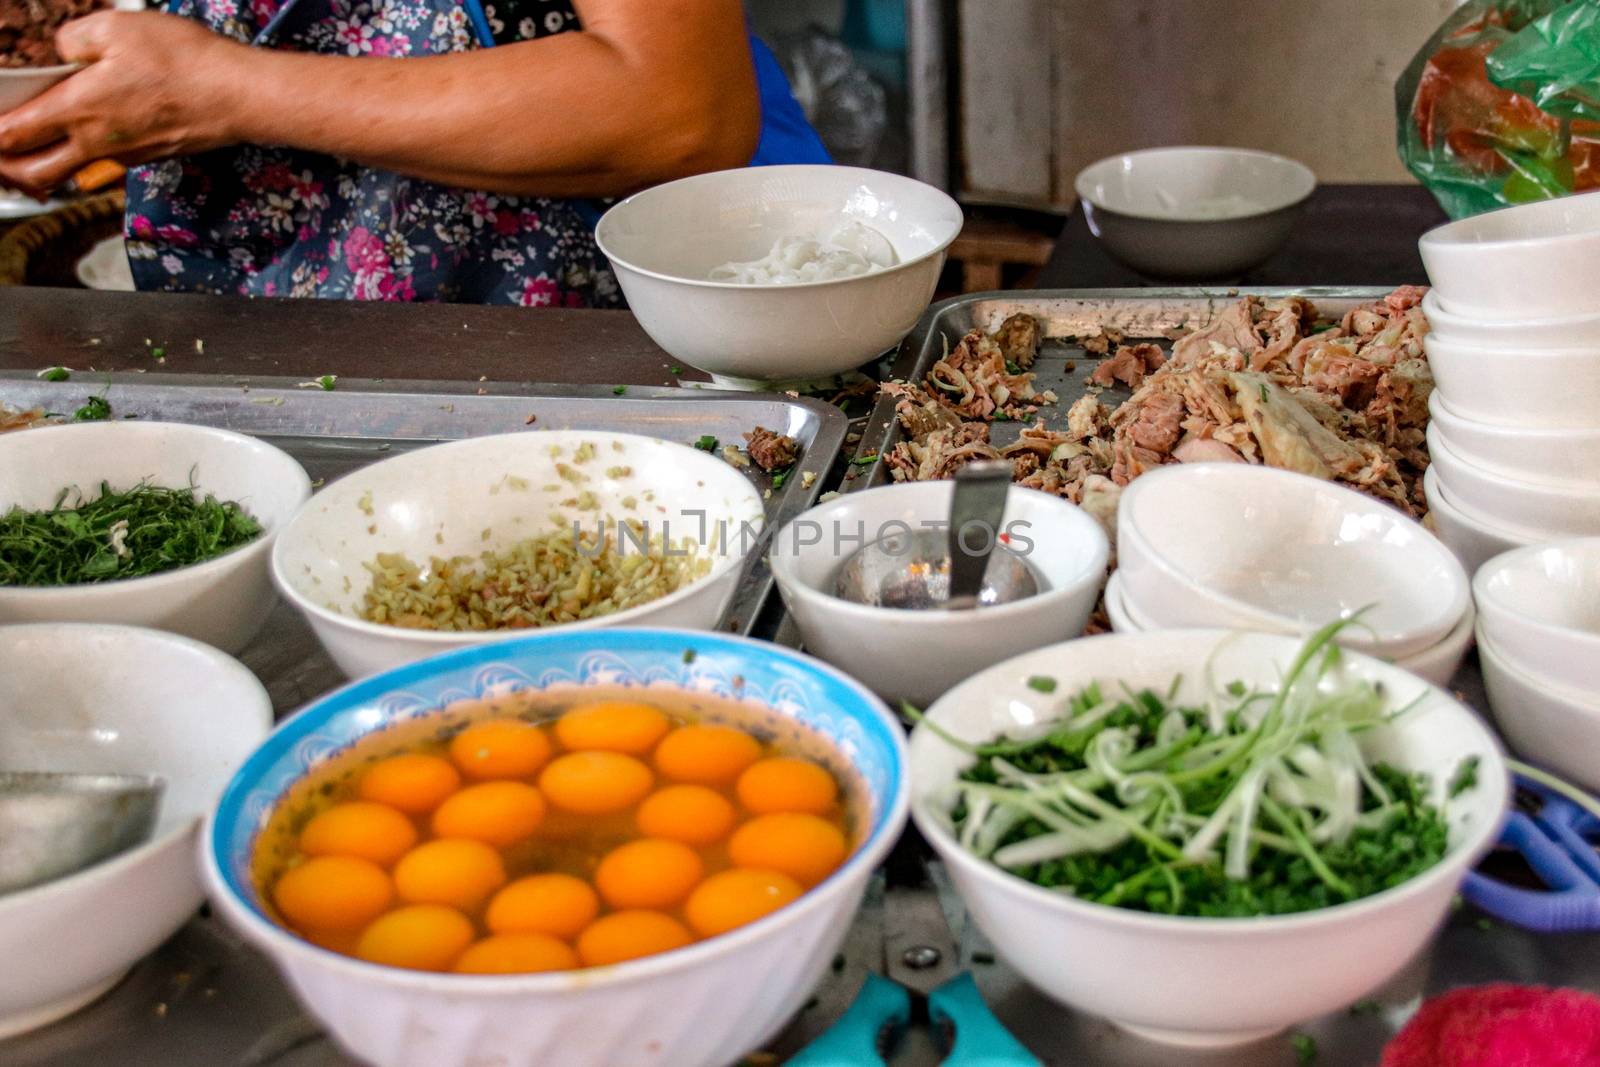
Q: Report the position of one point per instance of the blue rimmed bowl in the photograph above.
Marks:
(706, 1004)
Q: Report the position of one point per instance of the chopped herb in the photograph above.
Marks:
(779, 477)
(95, 409)
(1001, 416)
(1012, 368)
(1305, 1049)
(689, 655)
(158, 353)
(1042, 683)
(706, 443)
(327, 381)
(1323, 327)
(54, 374)
(619, 389)
(1466, 776)
(146, 530)
(676, 370)
(862, 461)
(1264, 393)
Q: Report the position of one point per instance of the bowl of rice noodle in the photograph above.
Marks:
(778, 277)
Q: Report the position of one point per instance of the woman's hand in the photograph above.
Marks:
(154, 85)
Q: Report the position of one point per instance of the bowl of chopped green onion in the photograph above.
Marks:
(1206, 837)
(163, 525)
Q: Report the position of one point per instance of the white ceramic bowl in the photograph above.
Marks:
(663, 243)
(1526, 262)
(223, 601)
(1553, 727)
(1473, 540)
(1556, 511)
(1557, 457)
(1533, 388)
(1249, 547)
(114, 699)
(1437, 664)
(443, 500)
(1540, 606)
(917, 655)
(1573, 331)
(705, 1005)
(1205, 982)
(1191, 213)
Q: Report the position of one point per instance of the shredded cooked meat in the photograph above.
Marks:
(771, 451)
(12, 419)
(1261, 381)
(1018, 338)
(1129, 365)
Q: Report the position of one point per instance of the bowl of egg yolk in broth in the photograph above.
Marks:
(585, 848)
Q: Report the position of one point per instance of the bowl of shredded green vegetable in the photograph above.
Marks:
(164, 525)
(1206, 837)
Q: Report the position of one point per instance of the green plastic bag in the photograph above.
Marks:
(1502, 105)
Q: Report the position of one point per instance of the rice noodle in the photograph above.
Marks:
(849, 251)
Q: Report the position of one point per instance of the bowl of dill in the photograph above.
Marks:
(162, 525)
(1206, 837)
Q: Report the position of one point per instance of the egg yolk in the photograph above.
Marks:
(627, 935)
(333, 893)
(612, 726)
(413, 783)
(786, 783)
(343, 942)
(500, 748)
(595, 783)
(517, 954)
(649, 873)
(362, 829)
(733, 898)
(426, 937)
(691, 814)
(804, 847)
(496, 813)
(451, 871)
(706, 754)
(558, 905)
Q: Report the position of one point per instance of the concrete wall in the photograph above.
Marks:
(1048, 86)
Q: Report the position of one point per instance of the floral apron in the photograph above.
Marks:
(265, 221)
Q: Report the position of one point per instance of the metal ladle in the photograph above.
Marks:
(962, 567)
(52, 825)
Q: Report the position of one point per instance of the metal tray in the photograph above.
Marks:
(1063, 366)
(335, 432)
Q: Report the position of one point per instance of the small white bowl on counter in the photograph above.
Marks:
(1531, 261)
(485, 493)
(1571, 331)
(1524, 388)
(1252, 547)
(1553, 726)
(1540, 607)
(222, 601)
(1193, 213)
(114, 699)
(1549, 456)
(1437, 664)
(917, 655)
(1473, 540)
(1204, 982)
(1555, 511)
(664, 243)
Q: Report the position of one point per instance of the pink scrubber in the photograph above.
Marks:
(1501, 1026)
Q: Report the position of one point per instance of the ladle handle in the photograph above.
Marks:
(976, 507)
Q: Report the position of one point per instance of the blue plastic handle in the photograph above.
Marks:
(854, 1039)
(1555, 846)
(980, 1039)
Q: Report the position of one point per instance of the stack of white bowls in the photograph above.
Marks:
(1515, 351)
(1539, 644)
(1243, 547)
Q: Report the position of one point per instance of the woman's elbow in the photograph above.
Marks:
(718, 131)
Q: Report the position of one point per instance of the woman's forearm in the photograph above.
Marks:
(599, 112)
